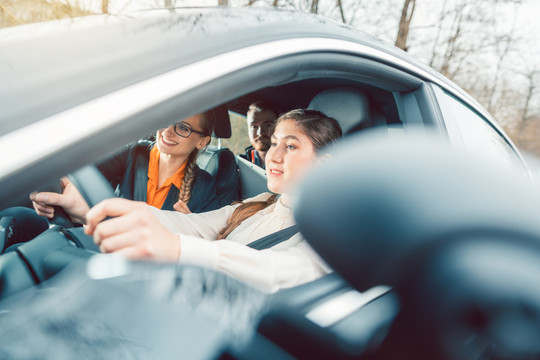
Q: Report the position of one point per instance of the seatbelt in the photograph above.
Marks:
(275, 238)
(140, 180)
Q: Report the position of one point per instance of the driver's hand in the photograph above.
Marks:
(130, 228)
(70, 200)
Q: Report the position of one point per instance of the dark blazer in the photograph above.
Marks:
(252, 155)
(128, 174)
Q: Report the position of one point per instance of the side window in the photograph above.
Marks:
(478, 135)
(239, 139)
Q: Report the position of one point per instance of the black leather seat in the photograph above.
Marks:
(220, 162)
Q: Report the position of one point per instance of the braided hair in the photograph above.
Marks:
(206, 122)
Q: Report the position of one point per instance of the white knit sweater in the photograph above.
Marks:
(287, 264)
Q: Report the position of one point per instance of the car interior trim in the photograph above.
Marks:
(341, 306)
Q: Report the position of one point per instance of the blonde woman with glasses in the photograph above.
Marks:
(162, 173)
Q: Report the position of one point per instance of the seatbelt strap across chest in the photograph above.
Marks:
(140, 180)
(275, 238)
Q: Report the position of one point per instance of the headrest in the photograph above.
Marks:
(222, 125)
(349, 106)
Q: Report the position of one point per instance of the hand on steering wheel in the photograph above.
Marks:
(133, 231)
(81, 190)
(70, 200)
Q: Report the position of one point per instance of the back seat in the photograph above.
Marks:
(220, 162)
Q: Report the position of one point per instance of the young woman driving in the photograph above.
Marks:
(163, 173)
(139, 231)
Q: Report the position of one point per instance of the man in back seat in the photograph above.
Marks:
(261, 117)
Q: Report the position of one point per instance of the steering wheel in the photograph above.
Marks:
(93, 187)
(55, 248)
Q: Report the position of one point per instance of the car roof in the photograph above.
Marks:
(49, 67)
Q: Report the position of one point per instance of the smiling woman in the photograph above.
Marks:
(173, 162)
(163, 174)
(139, 231)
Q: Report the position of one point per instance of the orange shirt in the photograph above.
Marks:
(155, 195)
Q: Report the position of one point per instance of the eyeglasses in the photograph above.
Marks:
(184, 130)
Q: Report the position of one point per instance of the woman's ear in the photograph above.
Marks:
(203, 142)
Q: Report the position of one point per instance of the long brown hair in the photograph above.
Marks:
(321, 130)
(206, 122)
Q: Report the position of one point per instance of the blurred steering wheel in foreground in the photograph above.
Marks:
(458, 238)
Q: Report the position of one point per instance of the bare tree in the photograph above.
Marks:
(440, 23)
(223, 2)
(314, 6)
(16, 12)
(502, 48)
(532, 81)
(503, 45)
(527, 127)
(339, 4)
(105, 6)
(7, 15)
(407, 13)
(452, 43)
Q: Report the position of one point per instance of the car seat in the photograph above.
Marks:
(349, 106)
(220, 162)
